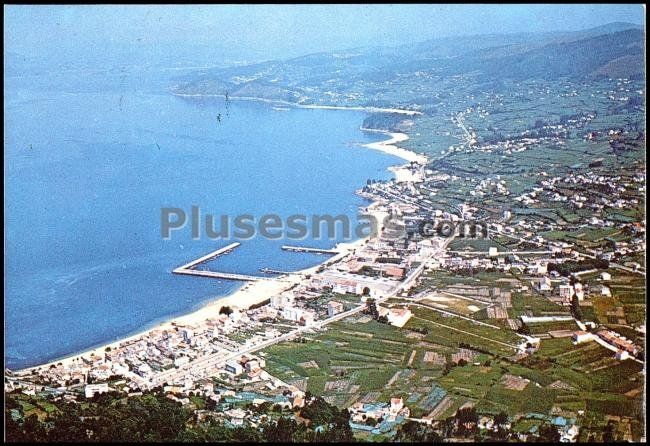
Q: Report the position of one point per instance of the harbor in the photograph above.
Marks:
(188, 268)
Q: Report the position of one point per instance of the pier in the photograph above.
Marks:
(220, 275)
(188, 270)
(207, 257)
(307, 249)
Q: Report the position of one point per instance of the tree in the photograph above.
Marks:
(608, 434)
(415, 432)
(575, 308)
(282, 431)
(501, 419)
(467, 419)
(549, 433)
(371, 308)
(225, 310)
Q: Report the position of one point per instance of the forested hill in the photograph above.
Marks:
(371, 76)
(585, 57)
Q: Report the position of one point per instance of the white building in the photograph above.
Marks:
(581, 336)
(334, 307)
(622, 355)
(181, 360)
(579, 292)
(144, 369)
(234, 367)
(566, 291)
(93, 389)
(283, 300)
(292, 313)
(544, 284)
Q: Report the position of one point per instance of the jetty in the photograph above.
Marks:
(205, 258)
(188, 268)
(307, 249)
(220, 275)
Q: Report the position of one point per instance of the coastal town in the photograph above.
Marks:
(499, 295)
(458, 277)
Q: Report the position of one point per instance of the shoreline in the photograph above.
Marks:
(388, 146)
(309, 106)
(252, 293)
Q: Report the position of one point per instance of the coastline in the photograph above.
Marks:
(253, 293)
(293, 104)
(388, 146)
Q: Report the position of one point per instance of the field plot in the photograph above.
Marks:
(463, 307)
(354, 360)
(452, 331)
(536, 304)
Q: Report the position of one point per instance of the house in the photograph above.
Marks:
(622, 355)
(282, 300)
(208, 386)
(298, 401)
(344, 287)
(396, 406)
(397, 272)
(307, 318)
(538, 268)
(581, 336)
(605, 276)
(292, 313)
(579, 292)
(181, 360)
(334, 307)
(570, 434)
(144, 370)
(92, 389)
(618, 341)
(346, 283)
(566, 291)
(544, 284)
(234, 367)
(605, 291)
(252, 365)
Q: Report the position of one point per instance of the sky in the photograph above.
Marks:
(262, 32)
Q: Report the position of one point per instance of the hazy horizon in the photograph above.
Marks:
(229, 33)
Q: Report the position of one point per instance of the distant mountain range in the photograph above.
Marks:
(613, 50)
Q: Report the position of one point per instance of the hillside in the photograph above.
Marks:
(376, 76)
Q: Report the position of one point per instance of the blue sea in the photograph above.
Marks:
(90, 160)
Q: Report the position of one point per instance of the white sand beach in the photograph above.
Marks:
(389, 147)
